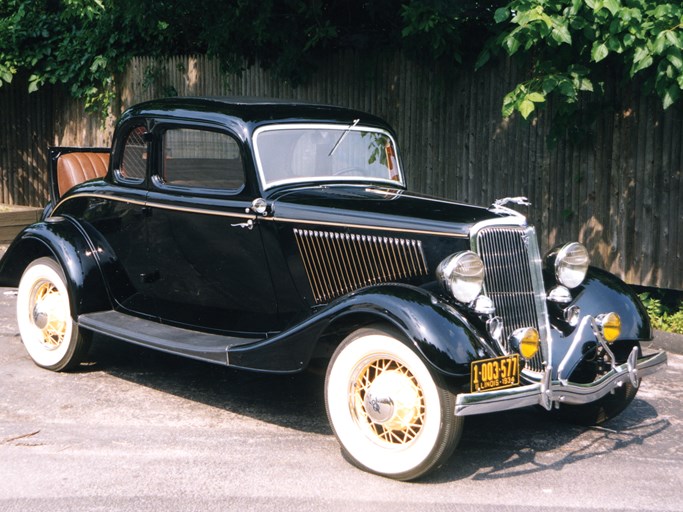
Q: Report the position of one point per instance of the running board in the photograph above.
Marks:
(175, 340)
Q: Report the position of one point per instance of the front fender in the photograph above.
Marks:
(444, 338)
(603, 292)
(61, 239)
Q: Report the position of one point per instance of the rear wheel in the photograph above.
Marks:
(391, 414)
(47, 329)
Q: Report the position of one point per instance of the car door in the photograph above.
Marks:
(210, 268)
(119, 217)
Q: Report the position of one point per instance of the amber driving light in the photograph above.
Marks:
(609, 325)
(525, 341)
(571, 264)
(462, 274)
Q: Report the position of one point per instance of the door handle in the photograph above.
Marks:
(249, 224)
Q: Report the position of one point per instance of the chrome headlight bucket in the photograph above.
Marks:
(462, 274)
(571, 264)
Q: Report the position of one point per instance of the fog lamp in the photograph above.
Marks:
(526, 341)
(609, 325)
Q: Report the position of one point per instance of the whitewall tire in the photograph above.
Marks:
(390, 413)
(47, 329)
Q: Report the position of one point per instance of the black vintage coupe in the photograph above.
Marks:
(272, 236)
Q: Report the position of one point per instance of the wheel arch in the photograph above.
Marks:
(440, 335)
(62, 241)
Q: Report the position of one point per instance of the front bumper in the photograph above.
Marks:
(548, 392)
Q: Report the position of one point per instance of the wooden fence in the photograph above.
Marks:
(617, 189)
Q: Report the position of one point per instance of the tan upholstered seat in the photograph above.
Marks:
(75, 168)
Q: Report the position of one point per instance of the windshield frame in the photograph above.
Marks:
(342, 129)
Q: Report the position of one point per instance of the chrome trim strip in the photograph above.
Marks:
(364, 226)
(254, 217)
(468, 404)
(161, 206)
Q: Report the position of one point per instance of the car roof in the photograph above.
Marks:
(250, 111)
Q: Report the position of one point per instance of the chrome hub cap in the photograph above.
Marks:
(387, 402)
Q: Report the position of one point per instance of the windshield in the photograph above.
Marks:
(304, 153)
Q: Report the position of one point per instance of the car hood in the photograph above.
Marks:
(378, 207)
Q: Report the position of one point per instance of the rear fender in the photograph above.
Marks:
(63, 240)
(443, 337)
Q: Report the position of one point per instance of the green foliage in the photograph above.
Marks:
(576, 45)
(79, 43)
(661, 317)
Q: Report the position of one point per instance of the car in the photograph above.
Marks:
(277, 236)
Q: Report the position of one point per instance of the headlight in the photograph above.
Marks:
(571, 265)
(462, 274)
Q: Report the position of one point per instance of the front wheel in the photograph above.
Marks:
(600, 411)
(392, 416)
(48, 331)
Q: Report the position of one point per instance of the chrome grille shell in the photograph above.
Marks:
(339, 263)
(514, 282)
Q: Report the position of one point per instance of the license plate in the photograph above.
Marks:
(496, 373)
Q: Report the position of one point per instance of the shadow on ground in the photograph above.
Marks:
(493, 446)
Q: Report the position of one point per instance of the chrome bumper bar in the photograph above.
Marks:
(548, 392)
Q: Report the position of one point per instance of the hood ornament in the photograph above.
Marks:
(498, 205)
(521, 200)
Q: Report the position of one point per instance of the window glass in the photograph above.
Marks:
(290, 153)
(134, 162)
(202, 159)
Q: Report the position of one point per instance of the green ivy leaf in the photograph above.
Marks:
(585, 85)
(560, 34)
(599, 52)
(526, 107)
(509, 104)
(501, 14)
(549, 83)
(511, 45)
(612, 6)
(676, 58)
(34, 82)
(661, 43)
(671, 95)
(536, 97)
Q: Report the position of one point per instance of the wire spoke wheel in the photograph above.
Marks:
(48, 332)
(388, 400)
(390, 413)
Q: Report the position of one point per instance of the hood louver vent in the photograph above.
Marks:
(338, 263)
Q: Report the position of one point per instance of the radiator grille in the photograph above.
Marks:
(510, 256)
(338, 263)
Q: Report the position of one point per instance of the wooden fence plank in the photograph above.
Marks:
(619, 191)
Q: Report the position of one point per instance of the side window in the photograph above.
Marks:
(134, 162)
(202, 159)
